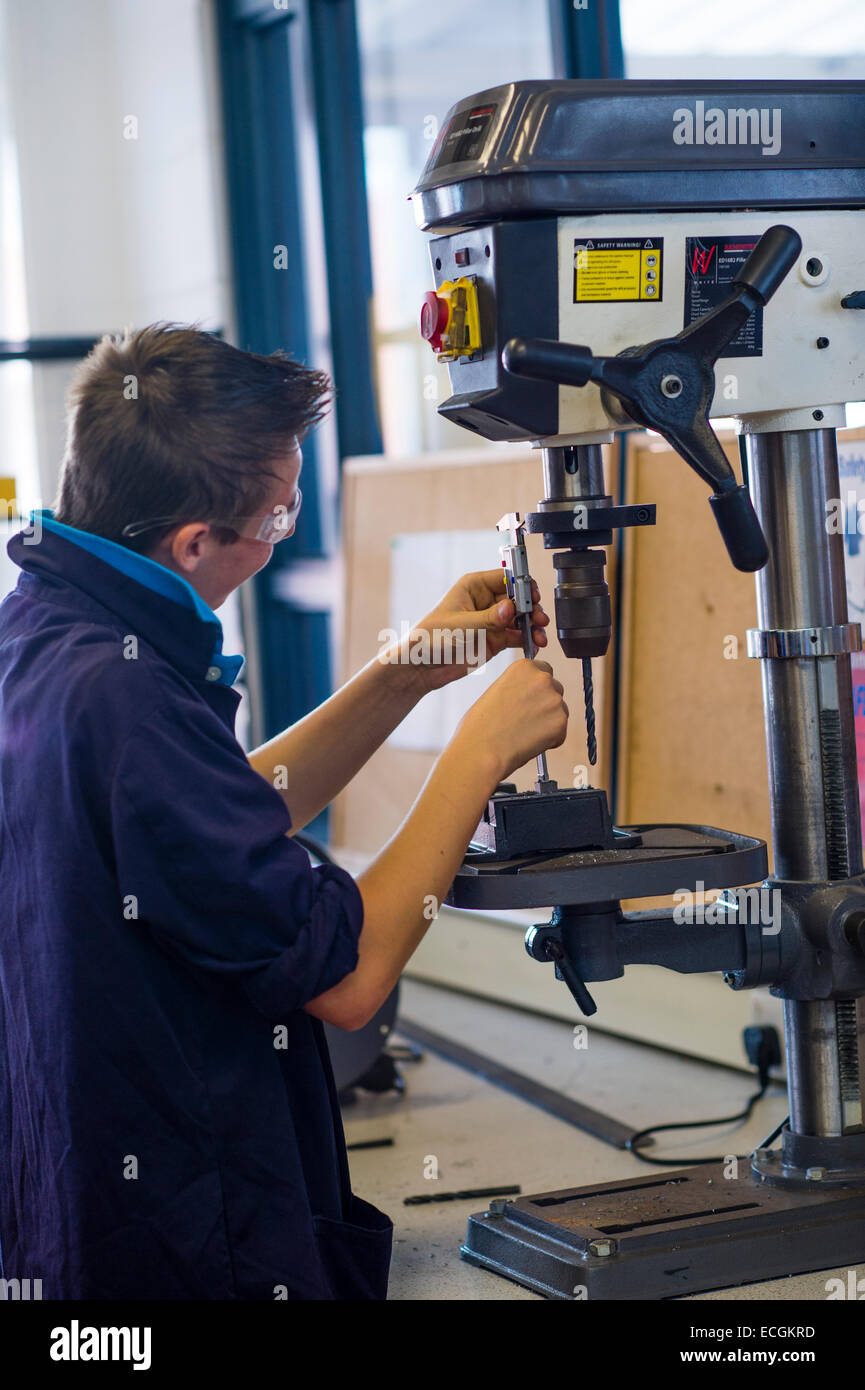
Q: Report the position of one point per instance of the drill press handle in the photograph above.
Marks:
(668, 385)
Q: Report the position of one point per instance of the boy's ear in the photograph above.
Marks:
(185, 546)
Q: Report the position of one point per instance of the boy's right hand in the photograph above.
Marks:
(520, 715)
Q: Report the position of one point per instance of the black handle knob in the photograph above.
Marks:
(643, 378)
(549, 360)
(740, 528)
(774, 255)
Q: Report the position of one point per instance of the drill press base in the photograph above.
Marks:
(667, 1234)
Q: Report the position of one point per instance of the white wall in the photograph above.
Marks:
(102, 231)
(116, 231)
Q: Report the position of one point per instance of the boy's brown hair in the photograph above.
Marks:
(173, 422)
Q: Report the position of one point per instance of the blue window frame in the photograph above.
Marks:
(277, 61)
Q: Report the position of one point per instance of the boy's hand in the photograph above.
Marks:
(473, 622)
(522, 714)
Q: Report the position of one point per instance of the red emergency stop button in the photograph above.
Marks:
(434, 315)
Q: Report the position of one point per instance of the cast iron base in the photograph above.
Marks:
(667, 1234)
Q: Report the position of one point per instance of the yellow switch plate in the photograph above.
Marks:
(462, 335)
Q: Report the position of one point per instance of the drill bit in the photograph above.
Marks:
(589, 693)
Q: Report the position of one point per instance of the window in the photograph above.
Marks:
(742, 40)
(417, 61)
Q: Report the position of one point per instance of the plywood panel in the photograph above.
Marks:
(690, 712)
(690, 717)
(382, 499)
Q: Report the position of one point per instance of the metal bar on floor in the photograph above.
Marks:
(573, 1112)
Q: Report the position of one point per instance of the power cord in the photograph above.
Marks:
(764, 1050)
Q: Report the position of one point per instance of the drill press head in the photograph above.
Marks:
(558, 224)
(616, 213)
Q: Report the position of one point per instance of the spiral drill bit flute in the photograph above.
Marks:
(589, 696)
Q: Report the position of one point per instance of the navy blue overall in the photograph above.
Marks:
(169, 1127)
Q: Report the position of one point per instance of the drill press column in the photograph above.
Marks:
(808, 702)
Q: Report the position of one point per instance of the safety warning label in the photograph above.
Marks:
(615, 269)
(711, 265)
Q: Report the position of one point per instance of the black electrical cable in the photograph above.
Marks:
(693, 1124)
(317, 849)
(765, 1057)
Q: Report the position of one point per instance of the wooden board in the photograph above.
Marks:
(690, 712)
(690, 715)
(447, 492)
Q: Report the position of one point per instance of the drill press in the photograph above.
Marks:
(680, 228)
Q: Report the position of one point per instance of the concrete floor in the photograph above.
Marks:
(477, 1135)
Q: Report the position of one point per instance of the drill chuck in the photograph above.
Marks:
(583, 617)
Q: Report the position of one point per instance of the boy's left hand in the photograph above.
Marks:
(473, 622)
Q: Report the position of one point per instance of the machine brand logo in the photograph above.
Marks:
(738, 126)
(702, 259)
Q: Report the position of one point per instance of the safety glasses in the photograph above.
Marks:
(270, 529)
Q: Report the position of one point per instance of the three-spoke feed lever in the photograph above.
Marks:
(668, 385)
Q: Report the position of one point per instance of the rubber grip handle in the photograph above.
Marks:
(546, 359)
(774, 255)
(740, 528)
